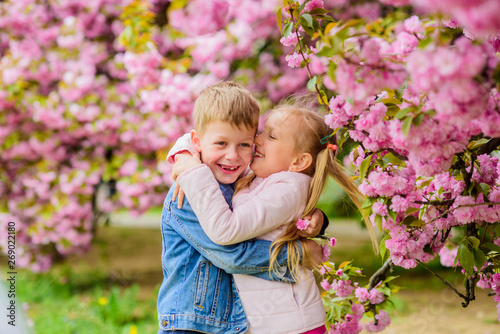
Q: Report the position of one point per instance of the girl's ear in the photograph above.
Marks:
(195, 140)
(302, 162)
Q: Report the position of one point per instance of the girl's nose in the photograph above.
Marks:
(258, 139)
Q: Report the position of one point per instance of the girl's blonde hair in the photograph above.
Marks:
(313, 138)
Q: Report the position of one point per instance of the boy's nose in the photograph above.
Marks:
(231, 154)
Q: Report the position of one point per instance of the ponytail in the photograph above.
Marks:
(314, 140)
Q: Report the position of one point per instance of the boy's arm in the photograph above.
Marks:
(250, 257)
(268, 209)
(182, 144)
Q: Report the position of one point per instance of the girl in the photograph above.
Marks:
(292, 159)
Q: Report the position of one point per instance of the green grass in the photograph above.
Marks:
(83, 302)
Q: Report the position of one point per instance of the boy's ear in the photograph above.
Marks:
(302, 162)
(195, 140)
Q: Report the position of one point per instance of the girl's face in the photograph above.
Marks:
(275, 147)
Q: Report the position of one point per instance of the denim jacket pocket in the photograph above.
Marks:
(200, 292)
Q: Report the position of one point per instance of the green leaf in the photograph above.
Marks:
(393, 215)
(412, 210)
(413, 221)
(326, 18)
(418, 119)
(400, 91)
(474, 242)
(317, 11)
(311, 84)
(483, 188)
(479, 258)
(364, 165)
(378, 221)
(323, 99)
(476, 143)
(406, 125)
(329, 51)
(390, 278)
(306, 20)
(382, 248)
(424, 42)
(288, 29)
(466, 258)
(491, 246)
(368, 202)
(393, 159)
(403, 112)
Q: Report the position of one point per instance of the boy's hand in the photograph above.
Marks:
(315, 224)
(183, 162)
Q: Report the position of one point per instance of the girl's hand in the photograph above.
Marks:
(315, 224)
(183, 162)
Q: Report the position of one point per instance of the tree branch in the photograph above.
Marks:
(380, 274)
(489, 147)
(466, 298)
(309, 73)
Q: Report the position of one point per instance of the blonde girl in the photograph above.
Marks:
(293, 157)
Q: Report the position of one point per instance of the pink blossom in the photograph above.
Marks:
(291, 40)
(380, 209)
(383, 320)
(362, 294)
(343, 288)
(326, 253)
(314, 4)
(332, 242)
(294, 60)
(376, 296)
(325, 285)
(302, 224)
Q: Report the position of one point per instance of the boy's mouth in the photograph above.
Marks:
(228, 169)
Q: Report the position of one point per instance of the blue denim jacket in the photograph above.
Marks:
(198, 292)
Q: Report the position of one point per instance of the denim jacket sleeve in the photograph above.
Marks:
(249, 257)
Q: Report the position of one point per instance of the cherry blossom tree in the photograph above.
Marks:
(414, 83)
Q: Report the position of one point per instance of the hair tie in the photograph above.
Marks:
(332, 147)
(326, 139)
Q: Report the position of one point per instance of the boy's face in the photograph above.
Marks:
(225, 149)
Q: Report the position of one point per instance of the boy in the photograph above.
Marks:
(198, 293)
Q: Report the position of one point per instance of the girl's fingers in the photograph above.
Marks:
(176, 191)
(181, 198)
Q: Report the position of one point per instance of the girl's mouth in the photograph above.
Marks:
(257, 154)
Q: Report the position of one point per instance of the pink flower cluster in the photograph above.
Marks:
(479, 17)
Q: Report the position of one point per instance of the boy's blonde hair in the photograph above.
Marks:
(313, 138)
(226, 102)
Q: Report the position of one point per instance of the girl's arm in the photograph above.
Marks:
(270, 208)
(183, 144)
